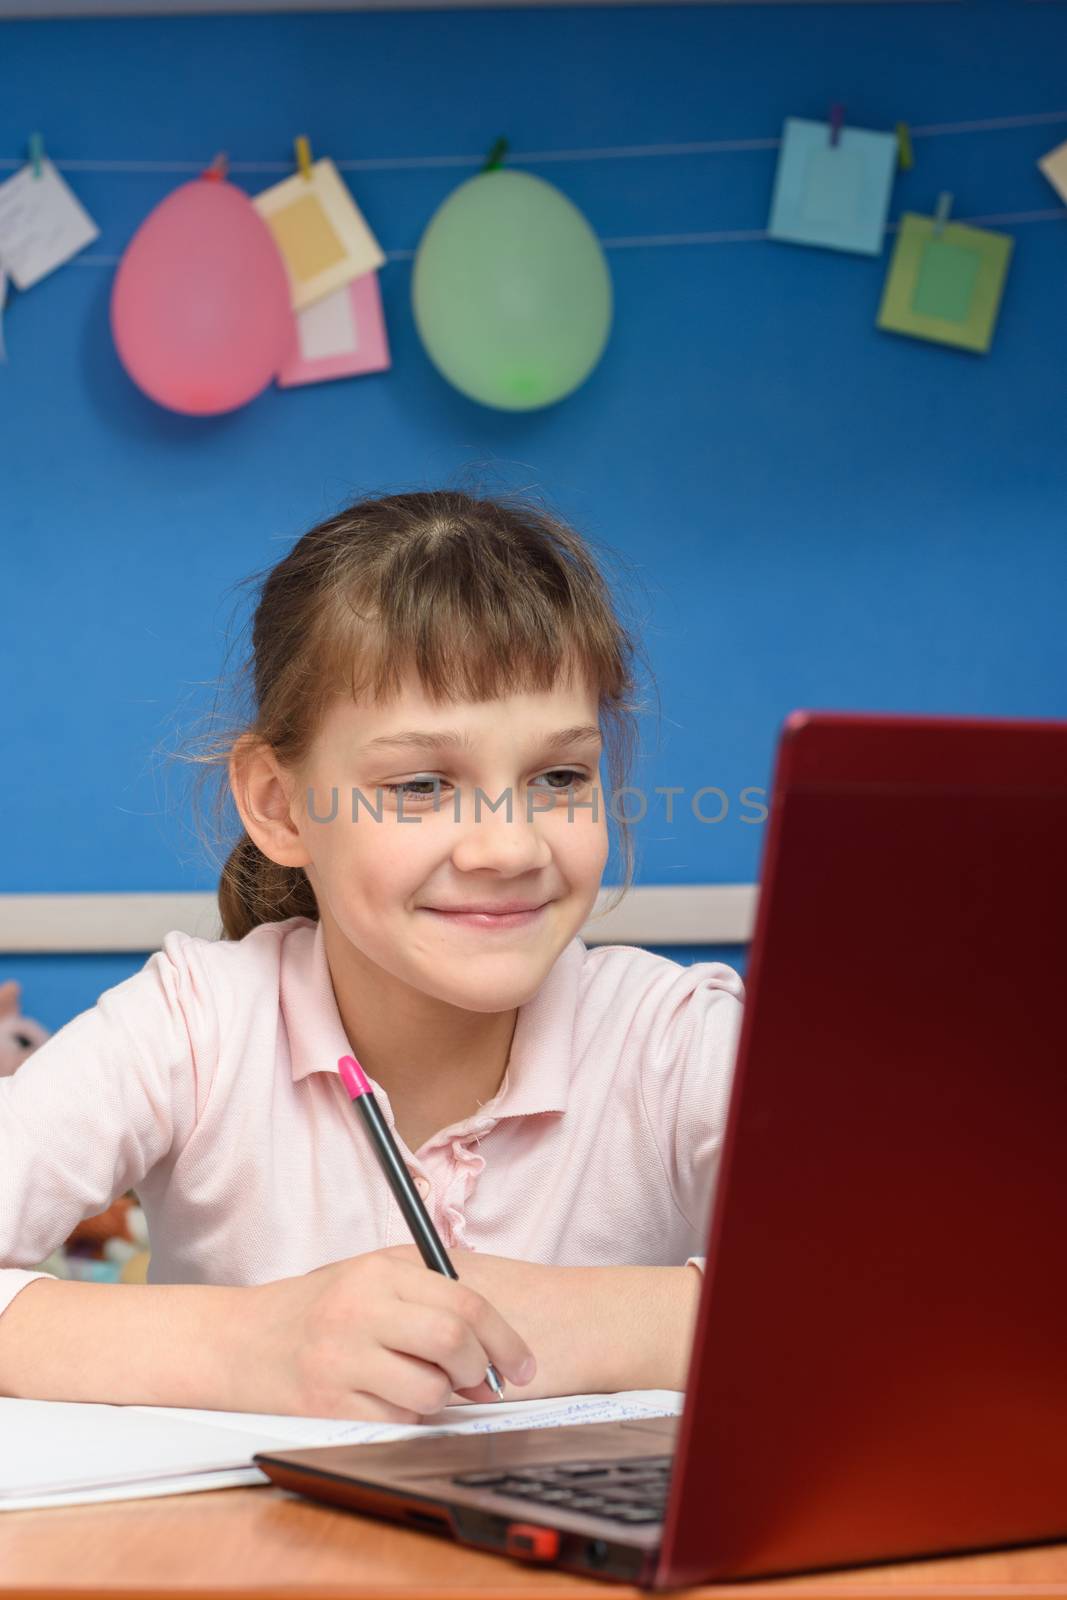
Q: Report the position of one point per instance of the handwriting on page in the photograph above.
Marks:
(521, 1414)
(266, 1431)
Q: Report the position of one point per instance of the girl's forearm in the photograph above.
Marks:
(124, 1343)
(636, 1323)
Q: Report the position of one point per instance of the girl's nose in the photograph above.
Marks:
(495, 840)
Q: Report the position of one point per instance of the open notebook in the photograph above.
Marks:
(60, 1453)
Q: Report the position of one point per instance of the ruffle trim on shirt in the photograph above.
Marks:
(468, 1168)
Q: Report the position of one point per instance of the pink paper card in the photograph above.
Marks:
(340, 336)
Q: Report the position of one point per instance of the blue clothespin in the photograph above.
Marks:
(837, 118)
(36, 152)
(944, 206)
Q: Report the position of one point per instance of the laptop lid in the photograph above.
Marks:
(879, 1365)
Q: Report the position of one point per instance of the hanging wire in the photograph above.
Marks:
(637, 241)
(622, 152)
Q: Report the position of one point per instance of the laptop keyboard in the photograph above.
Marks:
(630, 1491)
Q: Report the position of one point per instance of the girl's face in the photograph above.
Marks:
(495, 804)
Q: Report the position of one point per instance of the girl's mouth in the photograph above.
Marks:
(493, 922)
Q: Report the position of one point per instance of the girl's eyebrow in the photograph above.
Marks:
(450, 738)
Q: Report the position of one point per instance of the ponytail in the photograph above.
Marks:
(255, 889)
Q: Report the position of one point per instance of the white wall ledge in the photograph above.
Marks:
(79, 924)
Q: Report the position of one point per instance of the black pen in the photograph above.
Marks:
(408, 1198)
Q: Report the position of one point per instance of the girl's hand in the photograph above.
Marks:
(376, 1337)
(530, 1296)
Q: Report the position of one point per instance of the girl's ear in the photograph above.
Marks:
(261, 795)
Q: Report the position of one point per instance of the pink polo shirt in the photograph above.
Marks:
(208, 1083)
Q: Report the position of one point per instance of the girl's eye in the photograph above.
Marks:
(410, 788)
(574, 779)
(426, 788)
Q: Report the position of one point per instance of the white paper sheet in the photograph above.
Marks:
(328, 328)
(42, 224)
(59, 1452)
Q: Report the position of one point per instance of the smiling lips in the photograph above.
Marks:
(504, 908)
(508, 914)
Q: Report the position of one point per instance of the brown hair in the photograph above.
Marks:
(485, 597)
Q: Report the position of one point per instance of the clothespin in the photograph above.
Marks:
(496, 155)
(36, 153)
(837, 118)
(303, 155)
(944, 206)
(905, 154)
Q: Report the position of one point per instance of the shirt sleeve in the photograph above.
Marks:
(686, 1083)
(91, 1111)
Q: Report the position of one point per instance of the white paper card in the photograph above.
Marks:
(42, 224)
(328, 328)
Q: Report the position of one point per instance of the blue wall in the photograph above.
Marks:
(820, 514)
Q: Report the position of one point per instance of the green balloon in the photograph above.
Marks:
(511, 291)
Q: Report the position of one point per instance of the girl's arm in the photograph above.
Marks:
(124, 1343)
(82, 1120)
(594, 1330)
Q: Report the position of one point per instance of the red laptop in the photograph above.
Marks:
(879, 1367)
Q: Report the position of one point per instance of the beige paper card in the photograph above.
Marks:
(1054, 166)
(320, 231)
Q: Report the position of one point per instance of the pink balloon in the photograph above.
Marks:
(200, 307)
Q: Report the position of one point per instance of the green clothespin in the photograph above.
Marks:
(36, 152)
(905, 154)
(496, 155)
(944, 206)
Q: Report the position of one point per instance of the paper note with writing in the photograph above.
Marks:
(41, 224)
(322, 234)
(834, 195)
(1054, 166)
(945, 286)
(70, 1453)
(493, 1417)
(340, 336)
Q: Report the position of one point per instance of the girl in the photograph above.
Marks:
(436, 679)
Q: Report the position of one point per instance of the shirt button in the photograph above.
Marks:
(422, 1186)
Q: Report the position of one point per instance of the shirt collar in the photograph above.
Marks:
(539, 1067)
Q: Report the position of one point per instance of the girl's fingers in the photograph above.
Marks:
(434, 1336)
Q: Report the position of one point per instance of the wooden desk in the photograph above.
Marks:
(269, 1544)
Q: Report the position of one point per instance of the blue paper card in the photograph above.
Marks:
(834, 195)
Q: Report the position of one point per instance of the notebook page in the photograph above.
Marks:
(147, 1489)
(55, 1445)
(72, 1453)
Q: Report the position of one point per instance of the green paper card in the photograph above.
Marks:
(945, 287)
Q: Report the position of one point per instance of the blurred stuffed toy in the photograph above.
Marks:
(19, 1035)
(111, 1247)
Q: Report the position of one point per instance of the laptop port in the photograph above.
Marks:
(596, 1552)
(429, 1519)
